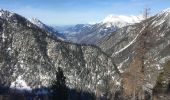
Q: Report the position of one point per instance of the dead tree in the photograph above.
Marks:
(137, 66)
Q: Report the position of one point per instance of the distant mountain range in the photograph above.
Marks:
(91, 33)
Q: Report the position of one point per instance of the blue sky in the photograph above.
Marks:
(68, 12)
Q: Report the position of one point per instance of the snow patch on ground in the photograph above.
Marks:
(9, 49)
(162, 35)
(158, 67)
(20, 84)
(163, 60)
(148, 86)
(22, 64)
(157, 23)
(99, 82)
(121, 64)
(126, 46)
(118, 83)
(3, 37)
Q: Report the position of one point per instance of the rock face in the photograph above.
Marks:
(31, 56)
(124, 45)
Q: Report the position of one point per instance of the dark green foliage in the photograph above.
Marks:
(59, 88)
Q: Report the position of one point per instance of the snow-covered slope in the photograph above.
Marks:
(5, 14)
(20, 84)
(38, 23)
(166, 11)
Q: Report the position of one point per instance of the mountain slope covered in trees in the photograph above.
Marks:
(32, 56)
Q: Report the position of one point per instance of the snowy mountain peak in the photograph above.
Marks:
(121, 20)
(2, 12)
(37, 22)
(166, 10)
(5, 13)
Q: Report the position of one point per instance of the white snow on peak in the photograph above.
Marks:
(0, 13)
(121, 20)
(20, 84)
(37, 22)
(166, 10)
(5, 13)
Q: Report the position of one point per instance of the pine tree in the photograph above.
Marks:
(59, 88)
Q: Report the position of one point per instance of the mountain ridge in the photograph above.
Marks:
(31, 56)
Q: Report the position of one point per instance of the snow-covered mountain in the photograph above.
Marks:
(91, 33)
(30, 56)
(142, 50)
(48, 28)
(121, 20)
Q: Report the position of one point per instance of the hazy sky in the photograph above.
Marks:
(67, 12)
